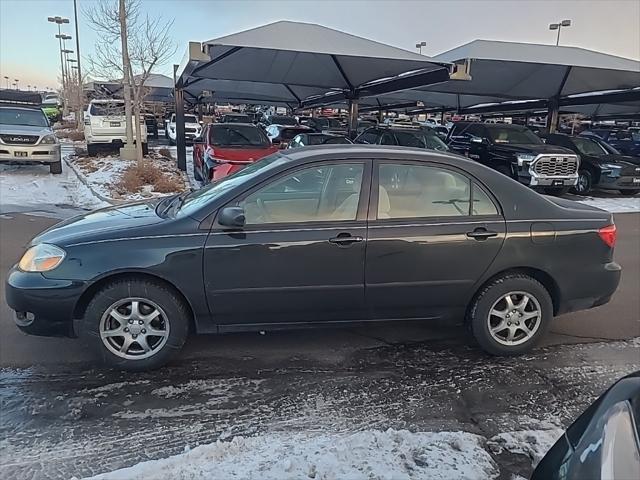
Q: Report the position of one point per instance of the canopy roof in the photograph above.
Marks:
(522, 70)
(303, 56)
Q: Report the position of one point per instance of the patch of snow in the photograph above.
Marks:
(615, 205)
(109, 387)
(215, 387)
(392, 454)
(33, 185)
(532, 443)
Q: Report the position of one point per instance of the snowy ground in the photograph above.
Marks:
(616, 204)
(407, 411)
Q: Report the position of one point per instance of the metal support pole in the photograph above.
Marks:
(442, 117)
(180, 138)
(552, 115)
(353, 118)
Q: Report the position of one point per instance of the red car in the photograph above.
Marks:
(225, 148)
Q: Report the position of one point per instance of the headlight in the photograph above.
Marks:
(525, 158)
(41, 258)
(48, 140)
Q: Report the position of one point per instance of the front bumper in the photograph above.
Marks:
(42, 306)
(30, 153)
(611, 179)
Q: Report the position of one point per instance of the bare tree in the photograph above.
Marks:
(130, 47)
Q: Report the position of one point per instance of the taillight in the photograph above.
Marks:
(609, 234)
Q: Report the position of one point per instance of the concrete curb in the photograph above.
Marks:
(84, 180)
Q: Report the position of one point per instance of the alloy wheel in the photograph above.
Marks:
(514, 318)
(134, 328)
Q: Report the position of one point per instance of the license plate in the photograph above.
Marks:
(20, 154)
(114, 124)
(558, 183)
(636, 180)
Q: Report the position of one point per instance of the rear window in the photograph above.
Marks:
(20, 116)
(279, 120)
(516, 136)
(230, 135)
(107, 109)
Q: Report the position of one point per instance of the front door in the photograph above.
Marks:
(300, 257)
(427, 246)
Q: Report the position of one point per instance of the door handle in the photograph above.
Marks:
(481, 234)
(345, 239)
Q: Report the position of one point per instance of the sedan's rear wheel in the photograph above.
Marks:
(135, 324)
(509, 315)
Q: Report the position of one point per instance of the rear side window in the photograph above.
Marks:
(482, 204)
(421, 191)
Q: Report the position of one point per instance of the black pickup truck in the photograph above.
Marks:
(517, 152)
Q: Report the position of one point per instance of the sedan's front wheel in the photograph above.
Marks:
(509, 315)
(135, 324)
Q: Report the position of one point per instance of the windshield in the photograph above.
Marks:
(23, 116)
(324, 122)
(326, 140)
(199, 198)
(230, 135)
(588, 147)
(107, 109)
(433, 141)
(279, 120)
(522, 136)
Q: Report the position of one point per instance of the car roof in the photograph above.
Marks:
(242, 124)
(377, 151)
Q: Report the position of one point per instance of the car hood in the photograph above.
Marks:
(533, 148)
(103, 224)
(25, 130)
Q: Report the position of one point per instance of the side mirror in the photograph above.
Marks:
(231, 217)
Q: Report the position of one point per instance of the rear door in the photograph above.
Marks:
(426, 246)
(300, 257)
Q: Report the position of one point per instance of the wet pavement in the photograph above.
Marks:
(60, 423)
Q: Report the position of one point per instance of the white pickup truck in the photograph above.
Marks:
(105, 124)
(192, 128)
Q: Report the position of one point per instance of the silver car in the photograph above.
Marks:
(26, 136)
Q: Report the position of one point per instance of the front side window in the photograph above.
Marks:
(418, 191)
(314, 194)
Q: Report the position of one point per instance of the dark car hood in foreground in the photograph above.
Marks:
(532, 148)
(101, 224)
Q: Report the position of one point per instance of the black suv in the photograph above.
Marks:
(517, 152)
(421, 137)
(600, 168)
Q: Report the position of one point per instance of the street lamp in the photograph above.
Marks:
(17, 82)
(558, 26)
(59, 21)
(420, 45)
(6, 77)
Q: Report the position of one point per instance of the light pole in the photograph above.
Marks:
(6, 77)
(420, 45)
(59, 21)
(17, 82)
(558, 26)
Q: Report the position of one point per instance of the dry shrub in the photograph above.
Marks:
(165, 152)
(65, 124)
(168, 184)
(63, 133)
(76, 135)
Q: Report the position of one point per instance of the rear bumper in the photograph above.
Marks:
(590, 289)
(42, 306)
(30, 153)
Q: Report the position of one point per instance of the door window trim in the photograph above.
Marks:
(361, 213)
(374, 194)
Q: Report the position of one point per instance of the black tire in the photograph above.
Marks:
(557, 191)
(145, 148)
(585, 183)
(177, 314)
(56, 168)
(92, 149)
(480, 321)
(196, 172)
(629, 193)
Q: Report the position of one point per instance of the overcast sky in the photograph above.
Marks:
(29, 51)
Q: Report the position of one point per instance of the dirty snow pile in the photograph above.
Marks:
(33, 185)
(615, 204)
(392, 454)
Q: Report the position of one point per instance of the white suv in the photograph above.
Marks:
(105, 124)
(192, 128)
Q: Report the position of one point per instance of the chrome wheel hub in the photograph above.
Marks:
(134, 328)
(514, 318)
